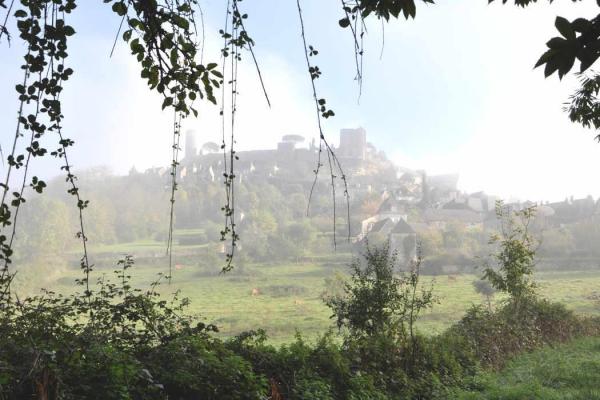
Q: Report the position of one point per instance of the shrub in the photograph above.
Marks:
(485, 289)
(196, 367)
(88, 345)
(334, 286)
(515, 256)
(496, 336)
(303, 371)
(375, 301)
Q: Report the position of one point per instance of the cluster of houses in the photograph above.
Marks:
(411, 201)
(419, 203)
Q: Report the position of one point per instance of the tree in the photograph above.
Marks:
(515, 258)
(302, 234)
(375, 301)
(101, 221)
(432, 242)
(485, 289)
(48, 229)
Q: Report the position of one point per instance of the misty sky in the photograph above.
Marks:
(454, 92)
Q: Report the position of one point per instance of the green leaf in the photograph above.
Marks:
(581, 25)
(556, 43)
(344, 22)
(69, 31)
(181, 22)
(410, 9)
(587, 58)
(168, 101)
(120, 8)
(565, 28)
(545, 57)
(551, 67)
(566, 63)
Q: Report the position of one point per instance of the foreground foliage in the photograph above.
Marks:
(120, 343)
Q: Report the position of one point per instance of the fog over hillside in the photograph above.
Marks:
(387, 202)
(289, 248)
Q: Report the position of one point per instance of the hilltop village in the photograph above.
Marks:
(402, 205)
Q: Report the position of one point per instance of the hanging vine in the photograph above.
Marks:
(174, 164)
(160, 36)
(235, 40)
(3, 28)
(355, 21)
(163, 36)
(335, 167)
(41, 25)
(231, 50)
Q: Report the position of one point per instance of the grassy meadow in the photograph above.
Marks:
(289, 295)
(568, 371)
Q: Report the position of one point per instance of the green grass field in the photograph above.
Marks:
(290, 294)
(570, 371)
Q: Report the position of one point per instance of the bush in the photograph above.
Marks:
(195, 367)
(496, 336)
(334, 286)
(89, 345)
(302, 371)
(377, 302)
(421, 368)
